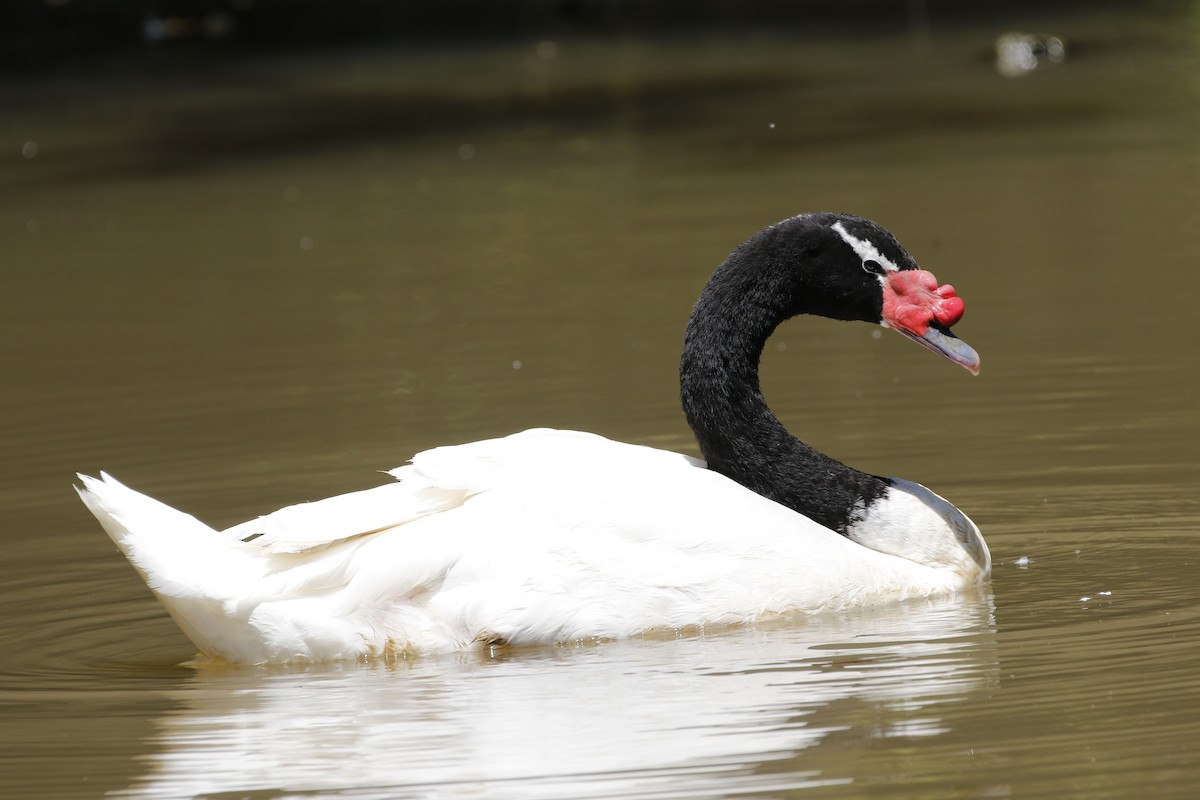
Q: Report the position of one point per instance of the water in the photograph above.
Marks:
(241, 284)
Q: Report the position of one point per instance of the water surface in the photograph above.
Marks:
(253, 282)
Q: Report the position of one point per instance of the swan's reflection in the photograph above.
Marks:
(691, 716)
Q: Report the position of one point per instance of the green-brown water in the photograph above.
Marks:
(256, 282)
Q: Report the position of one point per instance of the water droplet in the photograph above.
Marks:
(547, 50)
(517, 364)
(423, 185)
(29, 149)
(32, 226)
(466, 152)
(306, 243)
(291, 194)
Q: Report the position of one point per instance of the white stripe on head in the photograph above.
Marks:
(866, 251)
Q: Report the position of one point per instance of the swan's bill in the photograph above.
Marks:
(947, 345)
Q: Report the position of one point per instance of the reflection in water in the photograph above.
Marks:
(620, 719)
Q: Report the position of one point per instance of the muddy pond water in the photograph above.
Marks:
(247, 282)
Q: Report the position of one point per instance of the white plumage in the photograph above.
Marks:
(542, 536)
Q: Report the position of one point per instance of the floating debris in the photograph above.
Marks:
(1019, 54)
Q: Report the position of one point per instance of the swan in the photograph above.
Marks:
(551, 536)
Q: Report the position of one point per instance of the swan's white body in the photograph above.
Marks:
(540, 537)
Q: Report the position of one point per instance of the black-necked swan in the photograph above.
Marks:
(557, 536)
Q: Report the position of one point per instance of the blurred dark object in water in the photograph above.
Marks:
(1021, 53)
(34, 32)
(214, 26)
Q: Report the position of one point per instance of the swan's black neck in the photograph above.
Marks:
(778, 274)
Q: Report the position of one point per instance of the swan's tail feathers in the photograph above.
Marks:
(196, 573)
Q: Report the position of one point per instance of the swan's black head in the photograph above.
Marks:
(846, 268)
(819, 270)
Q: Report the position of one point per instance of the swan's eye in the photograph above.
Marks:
(874, 267)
